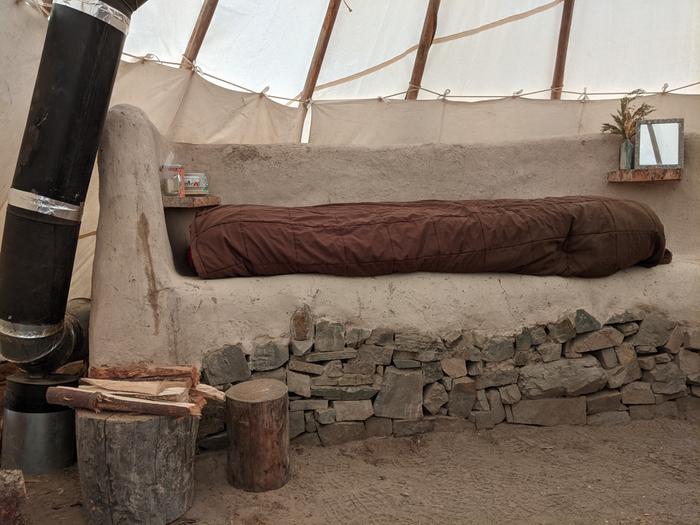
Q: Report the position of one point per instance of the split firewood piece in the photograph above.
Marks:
(158, 390)
(147, 372)
(179, 395)
(98, 401)
(209, 392)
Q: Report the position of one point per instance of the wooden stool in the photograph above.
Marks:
(258, 433)
(135, 468)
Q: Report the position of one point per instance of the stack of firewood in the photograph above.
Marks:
(159, 391)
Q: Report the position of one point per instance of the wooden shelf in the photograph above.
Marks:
(645, 175)
(191, 201)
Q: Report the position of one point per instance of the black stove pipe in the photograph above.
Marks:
(71, 96)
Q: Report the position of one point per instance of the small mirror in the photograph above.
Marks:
(659, 143)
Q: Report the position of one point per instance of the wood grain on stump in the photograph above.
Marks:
(258, 428)
(135, 468)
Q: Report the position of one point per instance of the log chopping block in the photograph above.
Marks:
(12, 494)
(135, 468)
(258, 429)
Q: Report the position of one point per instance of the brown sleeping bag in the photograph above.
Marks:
(568, 236)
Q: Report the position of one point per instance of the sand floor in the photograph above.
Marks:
(643, 472)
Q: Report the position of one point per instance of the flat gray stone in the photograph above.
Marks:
(475, 369)
(343, 393)
(417, 342)
(510, 394)
(691, 339)
(302, 324)
(358, 366)
(378, 355)
(604, 401)
(280, 374)
(627, 329)
(353, 410)
(432, 372)
(550, 412)
(550, 351)
(225, 365)
(689, 364)
(337, 433)
(523, 340)
(401, 395)
(355, 379)
(381, 337)
(355, 337)
(299, 384)
(300, 348)
(647, 362)
(628, 316)
(498, 374)
(317, 357)
(498, 413)
(585, 322)
(454, 367)
(606, 337)
(562, 331)
(269, 355)
(638, 393)
(676, 340)
(666, 378)
(625, 353)
(378, 427)
(406, 363)
(538, 335)
(329, 336)
(566, 377)
(325, 416)
(662, 358)
(434, 398)
(653, 331)
(482, 403)
(411, 427)
(498, 349)
(607, 358)
(308, 404)
(624, 374)
(297, 424)
(645, 349)
(310, 422)
(462, 397)
(305, 368)
(465, 350)
(609, 418)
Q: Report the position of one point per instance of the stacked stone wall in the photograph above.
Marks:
(349, 382)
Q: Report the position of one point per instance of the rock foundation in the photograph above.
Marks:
(348, 383)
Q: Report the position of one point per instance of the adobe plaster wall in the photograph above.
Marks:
(144, 310)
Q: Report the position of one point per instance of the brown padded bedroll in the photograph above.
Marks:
(567, 236)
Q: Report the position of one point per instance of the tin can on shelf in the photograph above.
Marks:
(196, 184)
(172, 178)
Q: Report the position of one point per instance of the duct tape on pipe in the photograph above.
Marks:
(38, 203)
(29, 331)
(100, 10)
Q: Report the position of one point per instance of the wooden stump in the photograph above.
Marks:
(258, 429)
(135, 468)
(12, 494)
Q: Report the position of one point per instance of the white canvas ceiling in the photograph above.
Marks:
(482, 47)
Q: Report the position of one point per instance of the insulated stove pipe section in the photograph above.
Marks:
(78, 67)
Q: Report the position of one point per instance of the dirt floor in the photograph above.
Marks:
(643, 472)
